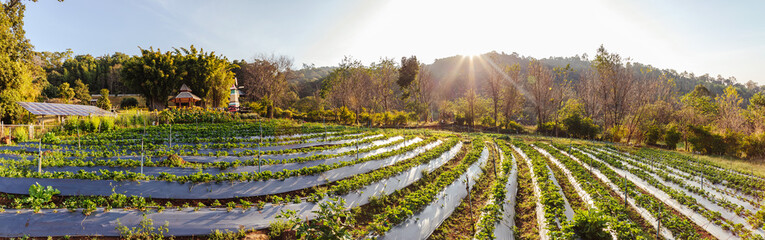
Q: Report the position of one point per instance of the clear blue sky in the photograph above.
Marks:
(700, 36)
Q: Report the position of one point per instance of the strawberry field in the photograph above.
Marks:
(283, 180)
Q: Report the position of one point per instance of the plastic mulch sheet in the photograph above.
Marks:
(189, 222)
(209, 190)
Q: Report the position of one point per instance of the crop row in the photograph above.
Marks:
(551, 198)
(414, 201)
(680, 226)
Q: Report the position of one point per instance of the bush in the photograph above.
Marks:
(706, 142)
(103, 101)
(549, 128)
(128, 103)
(580, 127)
(754, 146)
(107, 124)
(514, 126)
(488, 121)
(20, 134)
(652, 135)
(671, 137)
(590, 224)
(50, 138)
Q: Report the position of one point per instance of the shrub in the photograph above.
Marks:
(128, 103)
(488, 121)
(652, 135)
(20, 134)
(103, 101)
(50, 138)
(706, 142)
(671, 137)
(514, 126)
(580, 127)
(107, 124)
(754, 146)
(590, 224)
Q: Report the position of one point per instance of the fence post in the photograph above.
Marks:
(31, 131)
(39, 160)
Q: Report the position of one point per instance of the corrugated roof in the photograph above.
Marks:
(60, 109)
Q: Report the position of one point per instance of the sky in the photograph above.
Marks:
(699, 36)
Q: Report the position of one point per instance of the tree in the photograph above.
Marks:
(154, 74)
(540, 85)
(266, 79)
(730, 118)
(81, 92)
(66, 92)
(207, 74)
(615, 84)
(18, 80)
(426, 96)
(384, 74)
(347, 86)
(494, 86)
(512, 98)
(407, 74)
(103, 101)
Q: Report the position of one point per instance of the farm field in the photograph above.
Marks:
(279, 179)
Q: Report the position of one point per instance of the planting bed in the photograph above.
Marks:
(196, 179)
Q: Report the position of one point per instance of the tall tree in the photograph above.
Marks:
(540, 84)
(425, 90)
(81, 92)
(615, 84)
(154, 74)
(407, 74)
(207, 74)
(730, 117)
(494, 85)
(512, 99)
(17, 69)
(265, 79)
(385, 73)
(66, 92)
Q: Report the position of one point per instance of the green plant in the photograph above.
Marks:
(128, 103)
(20, 134)
(144, 230)
(40, 196)
(333, 221)
(590, 224)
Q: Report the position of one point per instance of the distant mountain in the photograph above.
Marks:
(453, 73)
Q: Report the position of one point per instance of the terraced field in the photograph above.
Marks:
(204, 180)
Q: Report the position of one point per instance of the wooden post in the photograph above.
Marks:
(624, 184)
(470, 202)
(658, 225)
(39, 159)
(142, 152)
(260, 140)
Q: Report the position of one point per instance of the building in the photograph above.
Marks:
(185, 98)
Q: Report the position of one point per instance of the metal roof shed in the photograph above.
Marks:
(60, 109)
